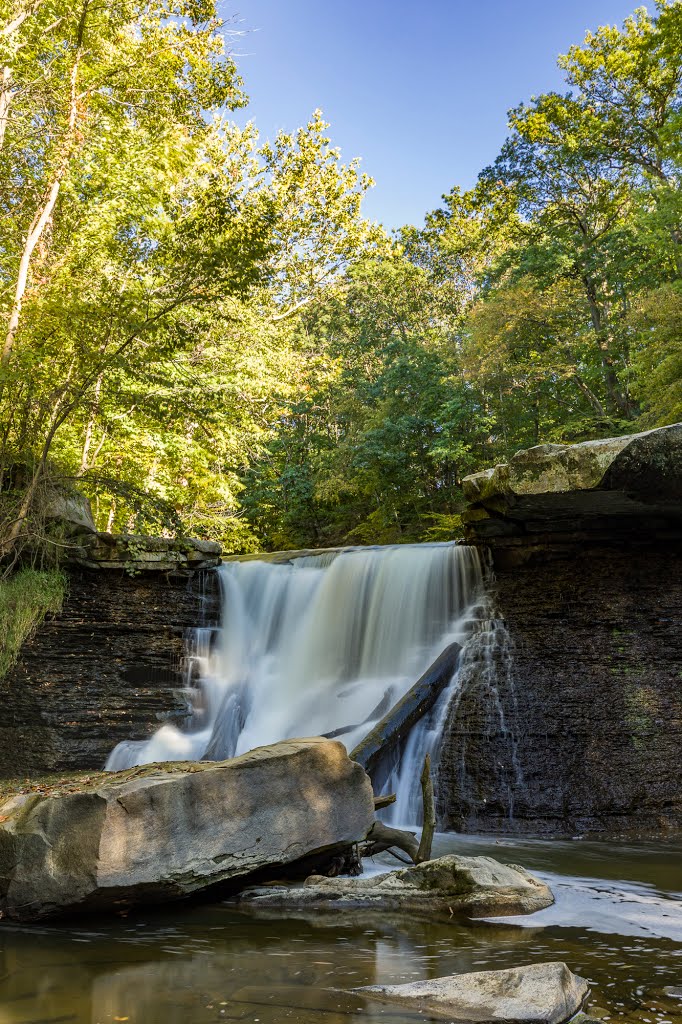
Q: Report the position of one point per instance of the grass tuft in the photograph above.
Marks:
(25, 599)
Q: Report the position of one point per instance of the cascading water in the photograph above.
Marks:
(323, 645)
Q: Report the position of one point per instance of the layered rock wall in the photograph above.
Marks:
(571, 716)
(110, 667)
(590, 686)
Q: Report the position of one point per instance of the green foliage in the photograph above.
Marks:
(25, 599)
(658, 359)
(203, 332)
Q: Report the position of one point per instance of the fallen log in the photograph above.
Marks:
(396, 725)
(381, 838)
(384, 801)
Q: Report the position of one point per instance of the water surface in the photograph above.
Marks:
(617, 922)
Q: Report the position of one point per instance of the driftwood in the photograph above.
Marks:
(381, 838)
(429, 827)
(396, 725)
(382, 707)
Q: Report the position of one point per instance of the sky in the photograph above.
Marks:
(418, 90)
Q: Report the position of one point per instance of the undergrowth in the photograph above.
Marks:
(25, 598)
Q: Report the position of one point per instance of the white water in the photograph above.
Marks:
(327, 642)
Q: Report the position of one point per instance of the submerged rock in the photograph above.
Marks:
(538, 994)
(162, 832)
(475, 886)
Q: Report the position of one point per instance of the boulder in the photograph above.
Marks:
(537, 994)
(471, 886)
(556, 495)
(163, 832)
(69, 510)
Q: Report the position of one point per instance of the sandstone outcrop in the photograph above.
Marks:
(68, 516)
(137, 554)
(166, 831)
(538, 994)
(557, 494)
(471, 886)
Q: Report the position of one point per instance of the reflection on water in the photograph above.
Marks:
(198, 965)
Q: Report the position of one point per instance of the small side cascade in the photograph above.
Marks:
(322, 645)
(483, 705)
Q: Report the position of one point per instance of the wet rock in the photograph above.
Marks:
(588, 685)
(109, 667)
(163, 832)
(537, 994)
(473, 886)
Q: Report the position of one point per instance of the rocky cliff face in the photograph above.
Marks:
(108, 668)
(571, 718)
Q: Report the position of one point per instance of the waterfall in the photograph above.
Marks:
(322, 645)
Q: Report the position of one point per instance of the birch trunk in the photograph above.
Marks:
(6, 97)
(44, 214)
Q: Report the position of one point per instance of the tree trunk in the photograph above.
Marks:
(44, 214)
(394, 728)
(617, 400)
(91, 426)
(429, 827)
(382, 837)
(6, 97)
(592, 399)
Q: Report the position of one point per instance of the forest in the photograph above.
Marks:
(202, 332)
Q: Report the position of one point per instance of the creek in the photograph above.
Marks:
(617, 922)
(327, 644)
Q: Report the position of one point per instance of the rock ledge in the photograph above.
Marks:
(471, 886)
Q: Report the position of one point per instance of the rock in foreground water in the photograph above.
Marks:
(538, 994)
(163, 832)
(475, 886)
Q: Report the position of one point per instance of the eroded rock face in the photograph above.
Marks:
(474, 886)
(553, 494)
(537, 994)
(110, 666)
(165, 831)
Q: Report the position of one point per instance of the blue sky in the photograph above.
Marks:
(418, 90)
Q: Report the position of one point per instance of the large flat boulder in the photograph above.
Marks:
(537, 994)
(561, 494)
(471, 886)
(163, 832)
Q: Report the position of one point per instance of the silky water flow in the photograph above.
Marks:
(324, 644)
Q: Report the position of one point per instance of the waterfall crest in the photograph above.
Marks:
(322, 645)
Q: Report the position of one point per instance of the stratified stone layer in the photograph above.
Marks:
(591, 696)
(108, 668)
